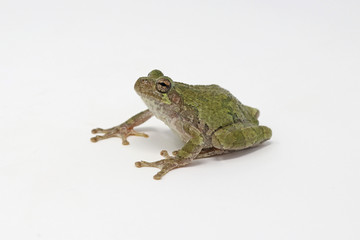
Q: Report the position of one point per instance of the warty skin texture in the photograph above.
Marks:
(208, 118)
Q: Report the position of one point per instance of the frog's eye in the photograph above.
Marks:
(163, 85)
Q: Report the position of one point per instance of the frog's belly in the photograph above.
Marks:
(178, 128)
(171, 119)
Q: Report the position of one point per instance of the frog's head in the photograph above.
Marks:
(156, 89)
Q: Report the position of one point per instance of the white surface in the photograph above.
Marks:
(67, 67)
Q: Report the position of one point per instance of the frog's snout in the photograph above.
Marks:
(136, 85)
(142, 85)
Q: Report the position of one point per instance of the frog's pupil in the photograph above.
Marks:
(163, 85)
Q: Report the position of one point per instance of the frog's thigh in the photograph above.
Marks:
(236, 137)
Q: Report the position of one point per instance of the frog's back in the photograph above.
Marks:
(216, 106)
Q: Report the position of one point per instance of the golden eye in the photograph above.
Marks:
(163, 85)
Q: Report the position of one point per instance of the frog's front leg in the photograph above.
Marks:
(183, 157)
(125, 129)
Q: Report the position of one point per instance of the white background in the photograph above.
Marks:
(69, 66)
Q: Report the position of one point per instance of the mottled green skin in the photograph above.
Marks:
(208, 118)
(218, 117)
(213, 105)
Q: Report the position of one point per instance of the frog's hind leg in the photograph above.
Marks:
(210, 152)
(205, 152)
(236, 137)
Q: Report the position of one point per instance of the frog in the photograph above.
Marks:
(207, 118)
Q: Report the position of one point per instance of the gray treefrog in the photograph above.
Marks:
(208, 118)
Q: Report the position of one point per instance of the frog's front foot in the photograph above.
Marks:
(165, 165)
(122, 132)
